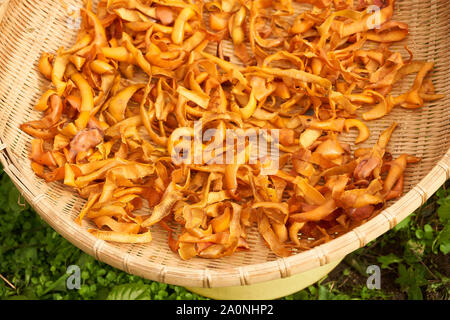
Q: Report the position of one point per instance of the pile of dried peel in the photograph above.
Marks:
(111, 137)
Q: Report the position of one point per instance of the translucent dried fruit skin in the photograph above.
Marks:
(59, 67)
(84, 140)
(87, 100)
(101, 67)
(178, 27)
(363, 133)
(165, 15)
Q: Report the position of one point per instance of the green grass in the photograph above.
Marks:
(413, 258)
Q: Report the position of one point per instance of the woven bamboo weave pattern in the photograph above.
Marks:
(31, 27)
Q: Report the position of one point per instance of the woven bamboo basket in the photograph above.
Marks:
(31, 27)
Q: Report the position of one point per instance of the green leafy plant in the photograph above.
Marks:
(443, 238)
(389, 259)
(130, 291)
